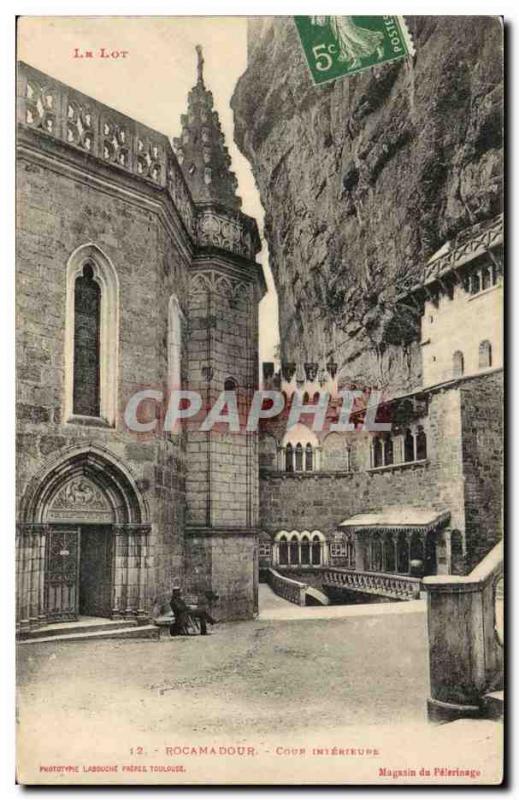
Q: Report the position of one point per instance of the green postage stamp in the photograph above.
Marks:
(337, 46)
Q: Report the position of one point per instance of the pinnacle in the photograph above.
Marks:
(201, 149)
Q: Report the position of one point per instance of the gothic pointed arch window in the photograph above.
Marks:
(87, 317)
(485, 354)
(299, 457)
(309, 458)
(91, 337)
(300, 446)
(458, 366)
(289, 458)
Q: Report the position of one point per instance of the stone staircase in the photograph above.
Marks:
(88, 628)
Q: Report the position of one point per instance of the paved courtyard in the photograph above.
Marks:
(268, 683)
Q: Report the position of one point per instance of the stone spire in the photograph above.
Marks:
(201, 149)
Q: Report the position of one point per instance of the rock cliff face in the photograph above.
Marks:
(364, 178)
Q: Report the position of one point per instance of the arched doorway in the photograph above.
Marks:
(82, 546)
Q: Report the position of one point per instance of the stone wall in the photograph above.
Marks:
(227, 564)
(462, 474)
(482, 413)
(321, 500)
(222, 474)
(460, 324)
(57, 212)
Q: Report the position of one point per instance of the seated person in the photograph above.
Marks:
(183, 613)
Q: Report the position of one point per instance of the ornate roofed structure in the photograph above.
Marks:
(201, 149)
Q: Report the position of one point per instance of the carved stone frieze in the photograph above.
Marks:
(80, 498)
(212, 282)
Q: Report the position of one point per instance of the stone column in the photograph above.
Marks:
(465, 655)
(23, 582)
(117, 590)
(41, 580)
(131, 576)
(34, 575)
(142, 610)
(18, 576)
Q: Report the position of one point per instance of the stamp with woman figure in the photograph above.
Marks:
(337, 46)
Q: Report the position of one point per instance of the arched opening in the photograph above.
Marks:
(230, 385)
(289, 458)
(283, 551)
(408, 446)
(475, 283)
(300, 446)
(87, 317)
(294, 549)
(378, 460)
(486, 281)
(309, 458)
(305, 550)
(91, 336)
(485, 354)
(317, 545)
(91, 522)
(421, 444)
(458, 365)
(299, 457)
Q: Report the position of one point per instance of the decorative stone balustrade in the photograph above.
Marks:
(396, 587)
(289, 589)
(56, 110)
(465, 646)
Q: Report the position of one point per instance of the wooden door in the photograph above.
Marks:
(95, 582)
(62, 573)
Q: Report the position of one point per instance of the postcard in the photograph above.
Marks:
(260, 400)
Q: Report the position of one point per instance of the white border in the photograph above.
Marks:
(10, 8)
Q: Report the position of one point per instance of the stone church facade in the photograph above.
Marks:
(135, 269)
